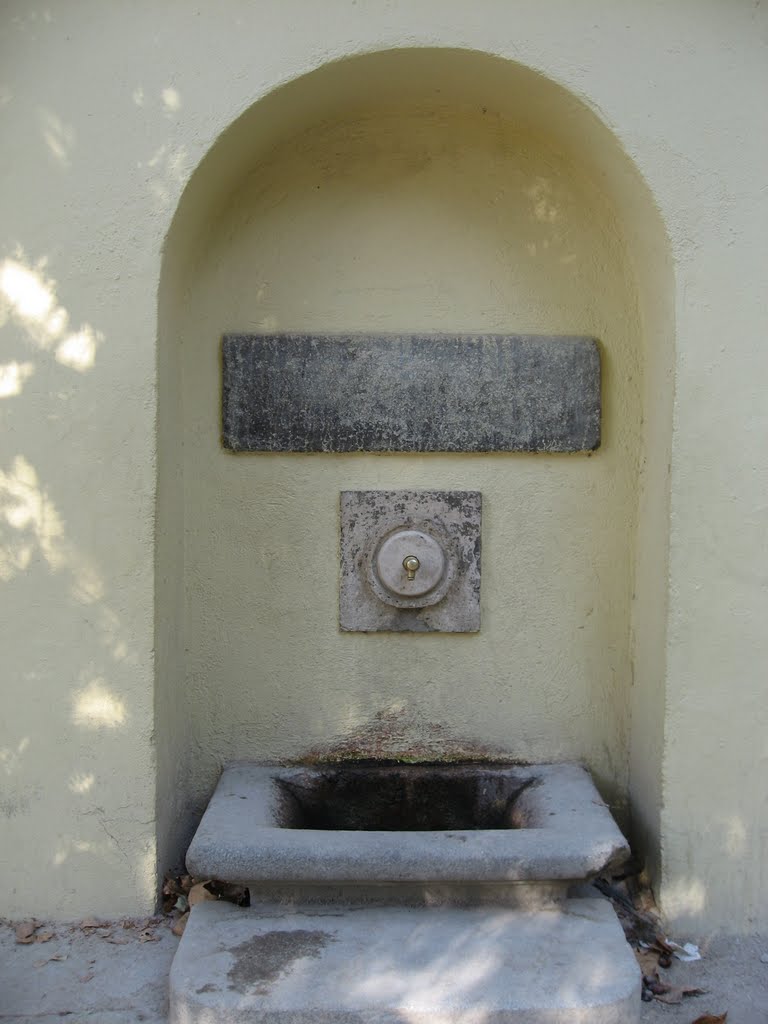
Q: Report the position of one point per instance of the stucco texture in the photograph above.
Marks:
(170, 606)
(424, 221)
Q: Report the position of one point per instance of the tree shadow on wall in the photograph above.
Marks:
(72, 732)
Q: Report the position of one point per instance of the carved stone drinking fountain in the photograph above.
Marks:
(434, 893)
(388, 893)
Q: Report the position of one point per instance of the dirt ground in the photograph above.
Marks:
(110, 975)
(734, 974)
(118, 973)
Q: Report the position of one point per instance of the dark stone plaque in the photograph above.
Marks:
(410, 393)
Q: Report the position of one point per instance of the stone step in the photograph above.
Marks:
(336, 965)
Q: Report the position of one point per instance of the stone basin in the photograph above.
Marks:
(435, 894)
(375, 825)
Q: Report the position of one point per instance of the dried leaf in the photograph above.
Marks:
(178, 926)
(674, 994)
(660, 948)
(116, 940)
(91, 922)
(661, 944)
(56, 956)
(25, 932)
(712, 1018)
(199, 894)
(648, 960)
(45, 936)
(654, 983)
(86, 977)
(175, 888)
(171, 886)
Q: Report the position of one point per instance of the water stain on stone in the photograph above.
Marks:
(402, 735)
(261, 960)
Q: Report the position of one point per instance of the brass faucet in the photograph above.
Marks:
(411, 565)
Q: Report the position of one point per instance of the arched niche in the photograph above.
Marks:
(414, 190)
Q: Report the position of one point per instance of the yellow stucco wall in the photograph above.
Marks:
(106, 112)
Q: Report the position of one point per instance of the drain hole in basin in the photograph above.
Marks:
(402, 799)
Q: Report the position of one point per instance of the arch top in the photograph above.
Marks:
(424, 80)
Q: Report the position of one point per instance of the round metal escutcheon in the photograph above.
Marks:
(395, 563)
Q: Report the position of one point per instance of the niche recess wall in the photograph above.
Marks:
(420, 190)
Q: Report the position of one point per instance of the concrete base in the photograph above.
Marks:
(404, 966)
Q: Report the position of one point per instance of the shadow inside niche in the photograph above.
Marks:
(424, 798)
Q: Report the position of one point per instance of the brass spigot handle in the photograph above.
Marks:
(411, 565)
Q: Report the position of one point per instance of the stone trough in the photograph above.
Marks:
(421, 894)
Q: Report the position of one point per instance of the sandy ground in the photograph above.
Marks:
(100, 976)
(734, 976)
(117, 974)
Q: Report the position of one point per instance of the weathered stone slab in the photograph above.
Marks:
(370, 519)
(274, 965)
(410, 393)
